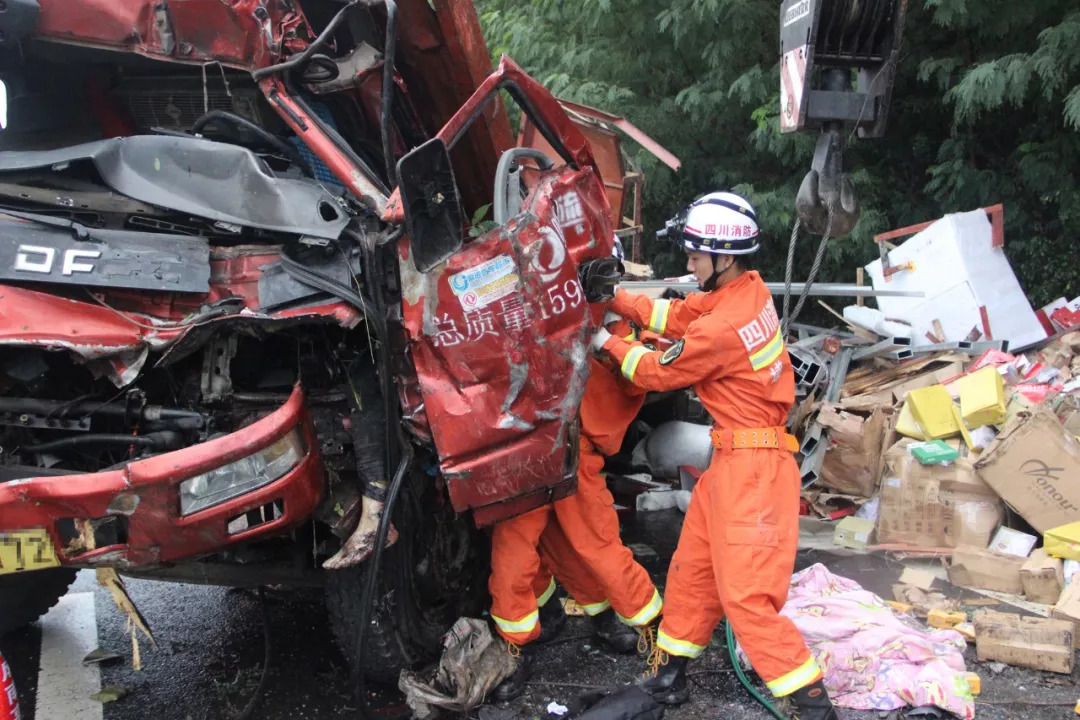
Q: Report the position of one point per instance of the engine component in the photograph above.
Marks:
(30, 412)
(216, 381)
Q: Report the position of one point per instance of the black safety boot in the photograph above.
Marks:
(552, 619)
(512, 687)
(665, 679)
(614, 633)
(812, 703)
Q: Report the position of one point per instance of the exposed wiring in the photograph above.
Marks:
(301, 59)
(367, 597)
(167, 326)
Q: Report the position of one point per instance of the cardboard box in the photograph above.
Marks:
(907, 425)
(851, 463)
(853, 532)
(932, 409)
(1067, 607)
(974, 567)
(1034, 465)
(933, 452)
(1012, 542)
(1063, 542)
(934, 505)
(982, 398)
(1037, 643)
(1043, 577)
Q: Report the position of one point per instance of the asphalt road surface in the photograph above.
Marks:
(209, 657)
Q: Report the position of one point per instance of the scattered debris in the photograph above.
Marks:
(975, 567)
(110, 580)
(110, 693)
(1037, 643)
(473, 663)
(98, 656)
(1043, 577)
(853, 532)
(556, 709)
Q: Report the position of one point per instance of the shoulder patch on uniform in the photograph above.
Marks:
(672, 353)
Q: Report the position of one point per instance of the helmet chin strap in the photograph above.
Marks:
(710, 284)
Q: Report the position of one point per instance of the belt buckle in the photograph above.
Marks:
(723, 439)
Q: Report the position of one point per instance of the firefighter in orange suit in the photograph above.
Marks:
(578, 541)
(737, 548)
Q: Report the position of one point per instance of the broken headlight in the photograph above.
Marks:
(247, 474)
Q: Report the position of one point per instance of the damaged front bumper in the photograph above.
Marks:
(135, 515)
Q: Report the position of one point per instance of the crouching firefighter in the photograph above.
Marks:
(736, 552)
(577, 538)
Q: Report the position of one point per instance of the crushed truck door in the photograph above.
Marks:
(499, 331)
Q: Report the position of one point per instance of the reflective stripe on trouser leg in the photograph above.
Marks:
(542, 600)
(647, 614)
(519, 631)
(589, 522)
(800, 677)
(674, 646)
(594, 609)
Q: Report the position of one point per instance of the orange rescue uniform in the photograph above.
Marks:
(579, 540)
(737, 549)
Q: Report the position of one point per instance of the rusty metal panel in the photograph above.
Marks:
(499, 337)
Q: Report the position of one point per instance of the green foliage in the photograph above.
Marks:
(478, 225)
(986, 109)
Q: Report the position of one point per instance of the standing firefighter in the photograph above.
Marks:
(737, 549)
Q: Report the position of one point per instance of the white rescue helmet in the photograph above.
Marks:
(721, 223)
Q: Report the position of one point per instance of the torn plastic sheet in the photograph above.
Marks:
(473, 663)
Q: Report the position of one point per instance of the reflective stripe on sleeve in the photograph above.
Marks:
(630, 362)
(659, 317)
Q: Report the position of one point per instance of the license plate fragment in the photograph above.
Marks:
(23, 550)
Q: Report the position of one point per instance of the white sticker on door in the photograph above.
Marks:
(482, 285)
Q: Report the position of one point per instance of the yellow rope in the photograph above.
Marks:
(646, 641)
(513, 650)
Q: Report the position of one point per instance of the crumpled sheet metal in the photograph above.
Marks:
(473, 663)
(499, 337)
(246, 34)
(207, 179)
(872, 657)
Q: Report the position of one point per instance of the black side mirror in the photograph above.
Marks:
(429, 195)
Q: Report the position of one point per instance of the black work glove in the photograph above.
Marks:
(672, 294)
(599, 278)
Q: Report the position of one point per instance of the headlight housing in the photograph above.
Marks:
(247, 474)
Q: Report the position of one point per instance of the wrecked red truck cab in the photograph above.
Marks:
(243, 306)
